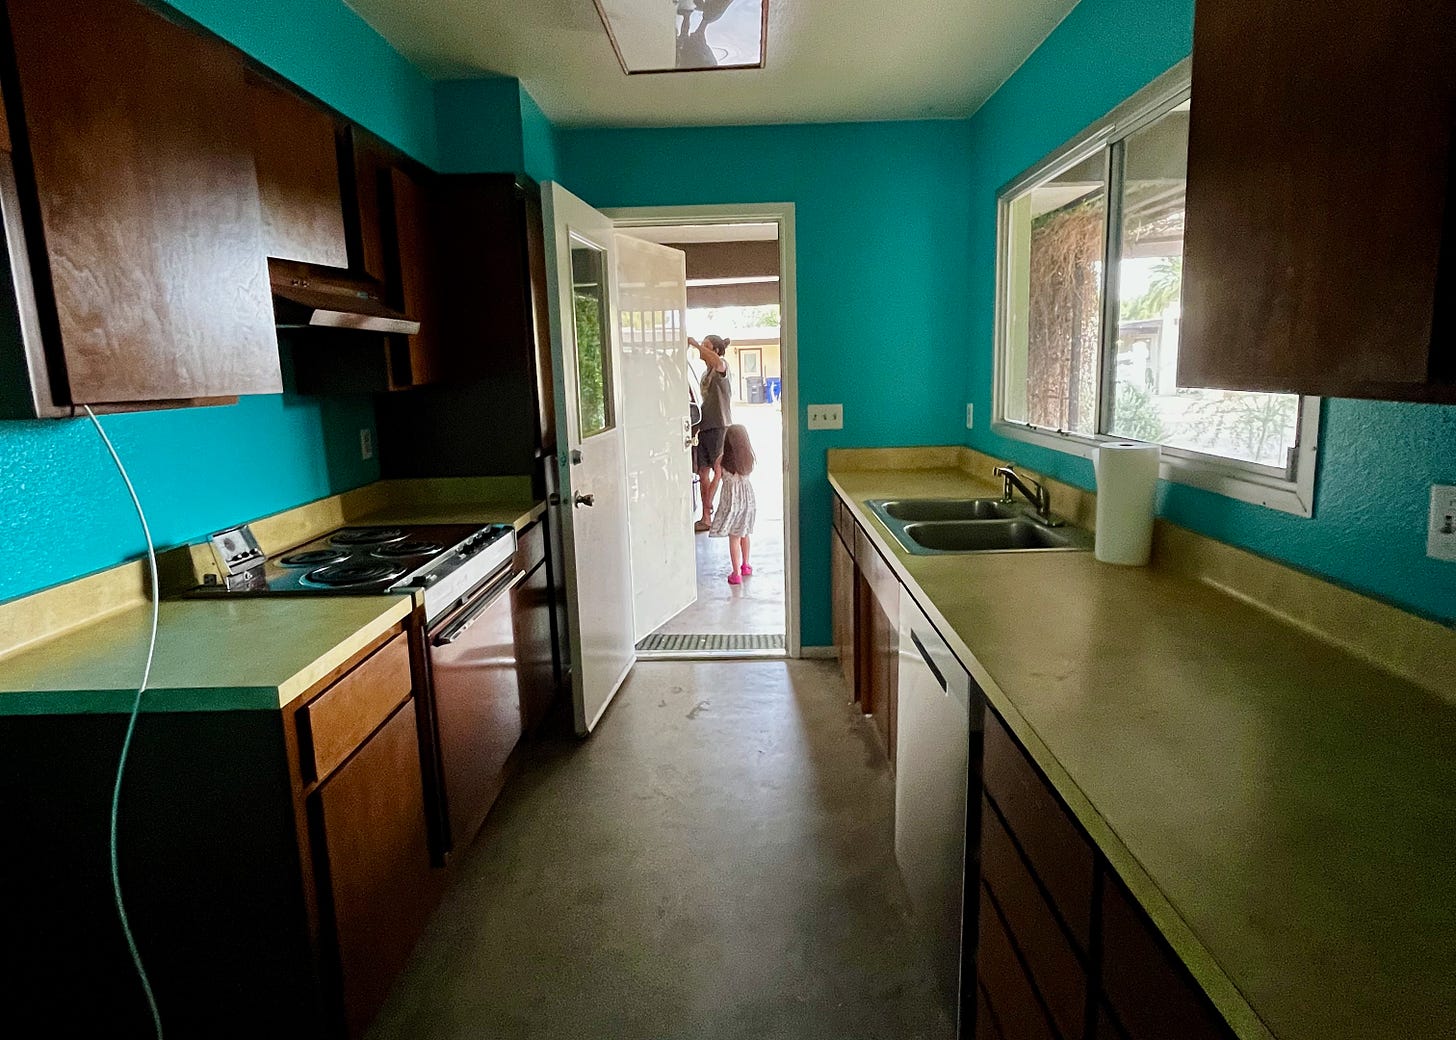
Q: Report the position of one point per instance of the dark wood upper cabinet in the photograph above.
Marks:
(492, 412)
(295, 144)
(137, 146)
(1318, 196)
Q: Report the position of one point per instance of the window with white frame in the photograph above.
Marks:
(1089, 277)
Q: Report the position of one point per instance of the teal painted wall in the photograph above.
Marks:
(65, 512)
(539, 141)
(493, 125)
(881, 265)
(1378, 459)
(479, 123)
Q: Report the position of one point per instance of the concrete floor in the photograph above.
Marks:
(716, 861)
(753, 608)
(757, 606)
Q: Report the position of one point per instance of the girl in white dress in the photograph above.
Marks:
(736, 511)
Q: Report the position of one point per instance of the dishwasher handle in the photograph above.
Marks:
(460, 625)
(929, 661)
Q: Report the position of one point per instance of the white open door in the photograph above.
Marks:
(580, 277)
(652, 308)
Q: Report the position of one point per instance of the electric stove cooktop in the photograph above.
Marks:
(447, 559)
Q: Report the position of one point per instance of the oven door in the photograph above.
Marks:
(477, 702)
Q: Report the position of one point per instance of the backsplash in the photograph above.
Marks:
(67, 513)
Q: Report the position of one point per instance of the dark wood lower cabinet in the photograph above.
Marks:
(842, 586)
(877, 637)
(1138, 965)
(1047, 950)
(275, 862)
(374, 858)
(1007, 987)
(1060, 935)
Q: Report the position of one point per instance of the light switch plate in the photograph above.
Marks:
(366, 443)
(970, 416)
(826, 417)
(1441, 535)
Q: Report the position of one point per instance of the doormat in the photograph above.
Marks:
(710, 643)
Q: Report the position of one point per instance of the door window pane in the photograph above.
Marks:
(1147, 403)
(593, 350)
(1057, 231)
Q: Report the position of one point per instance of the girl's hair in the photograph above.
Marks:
(738, 454)
(718, 343)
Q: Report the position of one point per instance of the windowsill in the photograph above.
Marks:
(1222, 478)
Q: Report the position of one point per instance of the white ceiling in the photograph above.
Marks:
(828, 60)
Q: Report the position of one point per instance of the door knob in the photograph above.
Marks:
(586, 500)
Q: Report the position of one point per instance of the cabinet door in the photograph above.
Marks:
(1147, 986)
(371, 835)
(367, 188)
(141, 146)
(412, 280)
(842, 581)
(1318, 154)
(295, 146)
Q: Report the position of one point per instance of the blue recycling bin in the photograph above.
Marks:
(772, 388)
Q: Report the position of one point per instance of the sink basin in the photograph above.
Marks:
(966, 536)
(931, 526)
(909, 509)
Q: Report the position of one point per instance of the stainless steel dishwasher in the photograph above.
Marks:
(937, 714)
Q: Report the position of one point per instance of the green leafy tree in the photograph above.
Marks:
(591, 381)
(1260, 425)
(1135, 415)
(1164, 288)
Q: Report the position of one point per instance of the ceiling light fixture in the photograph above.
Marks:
(656, 36)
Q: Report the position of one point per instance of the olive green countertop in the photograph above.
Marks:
(1283, 809)
(225, 653)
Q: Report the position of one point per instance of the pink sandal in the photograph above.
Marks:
(746, 570)
(734, 579)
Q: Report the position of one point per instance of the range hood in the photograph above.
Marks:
(325, 298)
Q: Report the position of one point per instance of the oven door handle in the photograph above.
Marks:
(457, 628)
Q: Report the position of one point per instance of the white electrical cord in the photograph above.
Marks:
(136, 707)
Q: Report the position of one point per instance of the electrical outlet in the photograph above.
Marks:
(366, 443)
(826, 417)
(970, 416)
(1441, 535)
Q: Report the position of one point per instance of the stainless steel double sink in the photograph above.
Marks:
(938, 526)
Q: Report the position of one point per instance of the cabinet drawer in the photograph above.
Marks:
(1149, 990)
(338, 720)
(1055, 968)
(1059, 854)
(530, 546)
(1008, 990)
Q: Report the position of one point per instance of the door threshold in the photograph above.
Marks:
(711, 655)
(694, 645)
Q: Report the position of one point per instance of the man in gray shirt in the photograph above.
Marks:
(717, 417)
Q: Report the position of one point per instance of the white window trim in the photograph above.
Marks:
(1247, 482)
